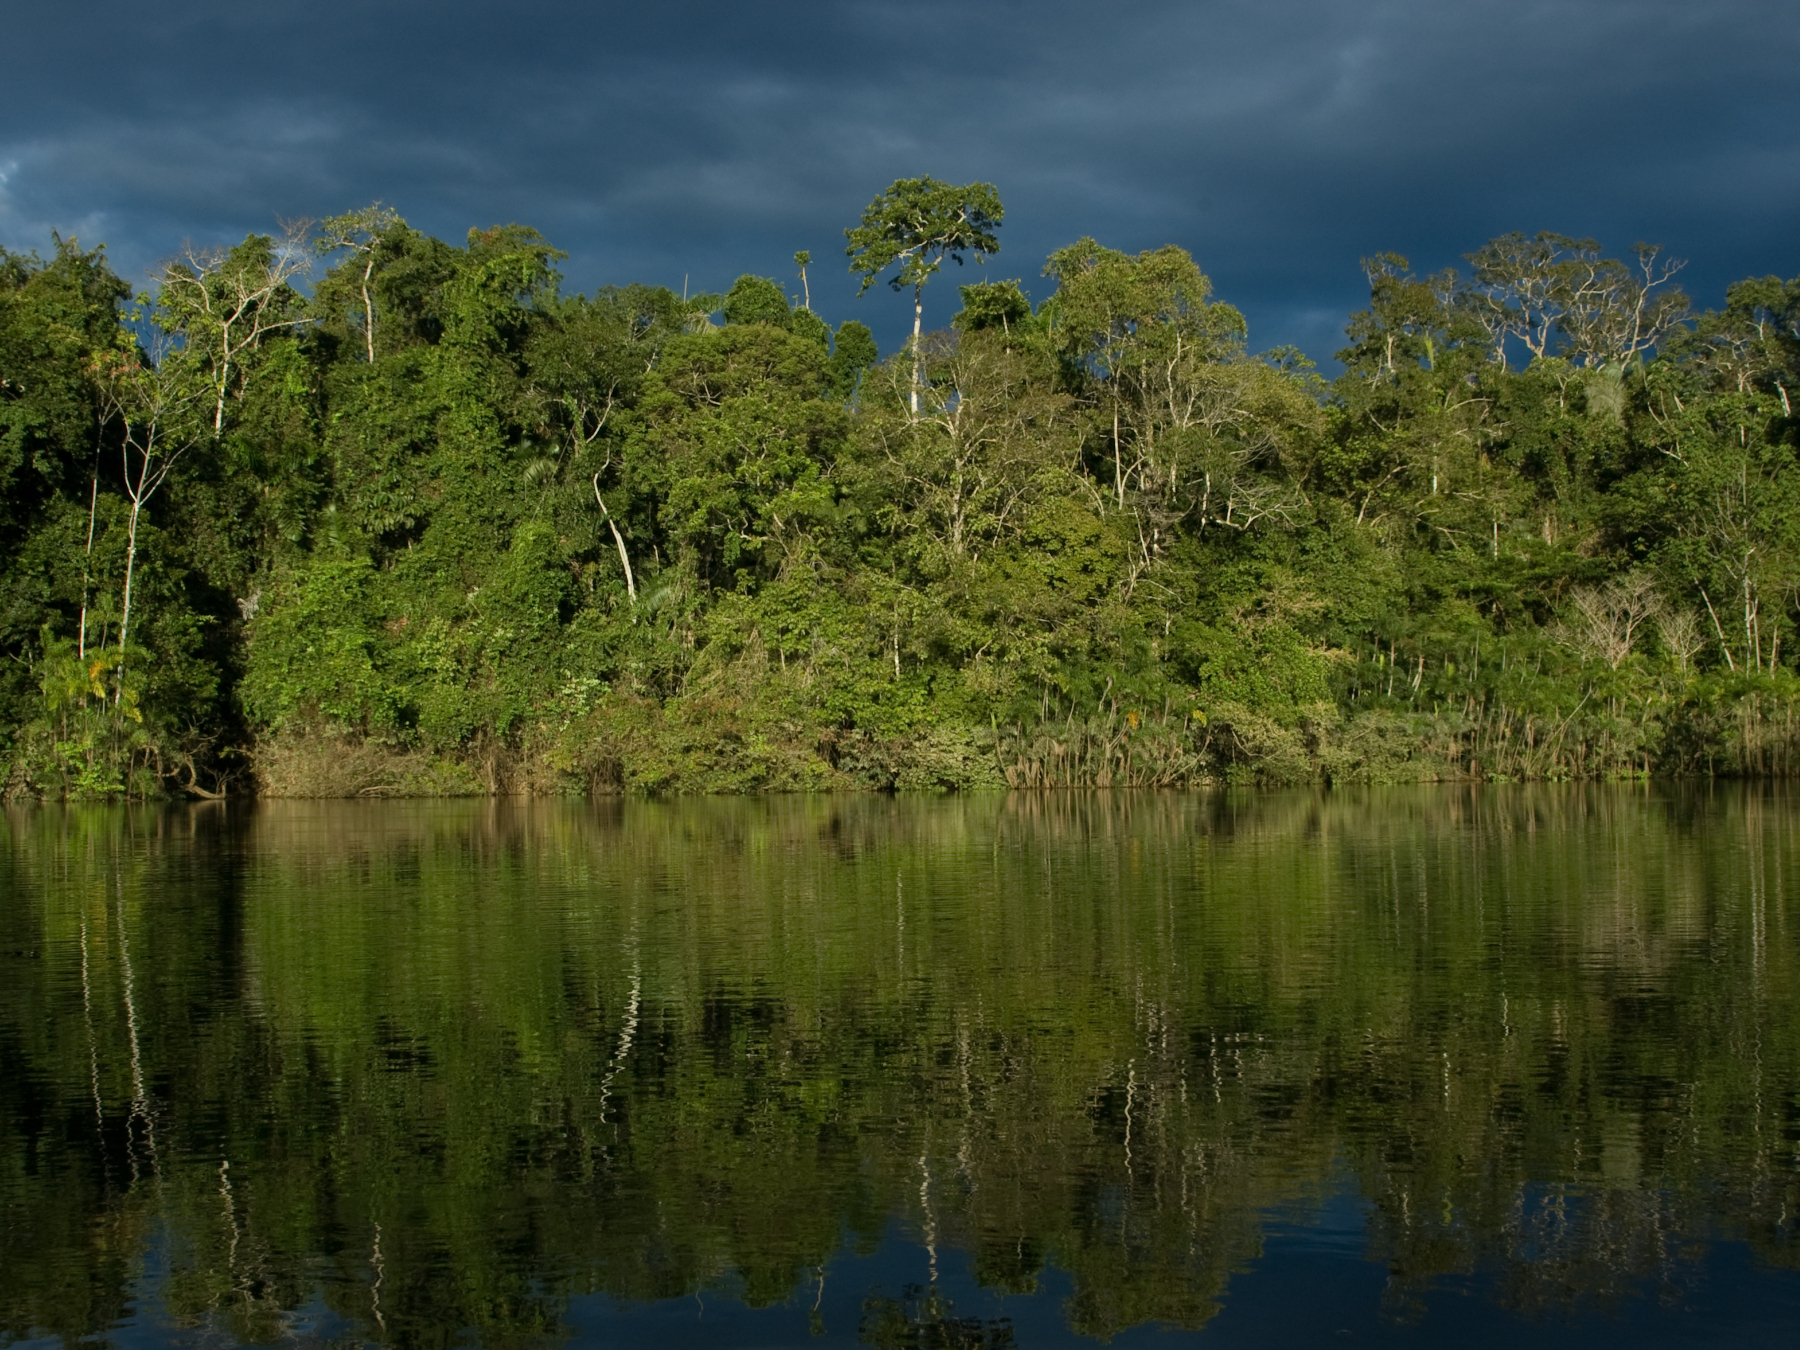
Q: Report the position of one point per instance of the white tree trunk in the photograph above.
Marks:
(87, 558)
(619, 541)
(369, 307)
(918, 355)
(125, 603)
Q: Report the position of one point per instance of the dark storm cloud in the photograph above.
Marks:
(1278, 142)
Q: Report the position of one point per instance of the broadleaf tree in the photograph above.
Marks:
(913, 227)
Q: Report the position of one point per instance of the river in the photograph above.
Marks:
(1485, 1065)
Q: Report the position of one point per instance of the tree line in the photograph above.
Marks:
(437, 526)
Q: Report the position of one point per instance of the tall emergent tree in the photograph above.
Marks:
(223, 303)
(1558, 295)
(802, 260)
(360, 234)
(147, 394)
(1141, 326)
(915, 225)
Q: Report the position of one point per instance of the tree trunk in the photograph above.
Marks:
(224, 378)
(369, 308)
(1118, 456)
(619, 541)
(125, 603)
(87, 558)
(918, 356)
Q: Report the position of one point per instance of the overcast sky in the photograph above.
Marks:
(1278, 142)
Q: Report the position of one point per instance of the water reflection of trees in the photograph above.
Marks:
(446, 1065)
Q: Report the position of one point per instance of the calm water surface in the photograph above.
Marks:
(1433, 1066)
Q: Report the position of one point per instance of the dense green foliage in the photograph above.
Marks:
(440, 1067)
(439, 527)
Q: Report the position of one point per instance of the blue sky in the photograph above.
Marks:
(1278, 142)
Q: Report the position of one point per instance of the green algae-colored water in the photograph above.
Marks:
(1482, 1066)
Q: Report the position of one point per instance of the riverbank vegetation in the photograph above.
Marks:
(428, 524)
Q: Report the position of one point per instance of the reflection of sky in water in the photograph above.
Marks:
(1313, 1284)
(1469, 1067)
